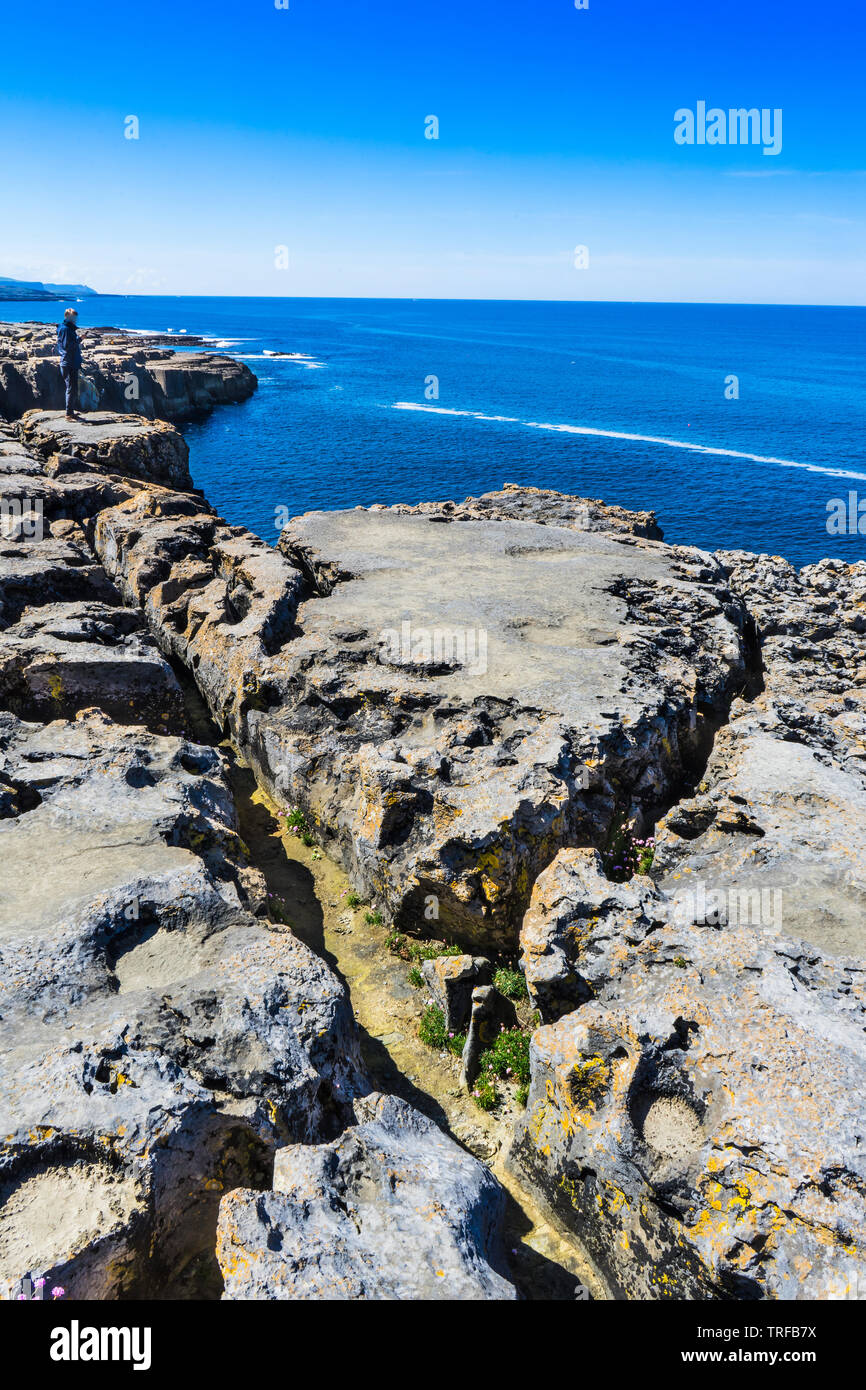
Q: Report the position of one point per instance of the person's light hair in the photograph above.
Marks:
(71, 314)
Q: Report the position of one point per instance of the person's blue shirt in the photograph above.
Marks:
(68, 346)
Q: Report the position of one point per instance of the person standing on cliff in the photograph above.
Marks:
(69, 347)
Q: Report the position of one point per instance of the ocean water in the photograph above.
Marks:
(411, 400)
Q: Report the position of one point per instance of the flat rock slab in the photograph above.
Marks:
(125, 444)
(461, 697)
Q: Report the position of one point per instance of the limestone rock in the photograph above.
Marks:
(491, 1012)
(392, 1209)
(577, 922)
(451, 980)
(148, 449)
(459, 773)
(158, 1041)
(777, 831)
(60, 658)
(693, 1120)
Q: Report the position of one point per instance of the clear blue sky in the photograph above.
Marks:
(304, 127)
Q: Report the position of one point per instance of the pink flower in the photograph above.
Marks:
(58, 1292)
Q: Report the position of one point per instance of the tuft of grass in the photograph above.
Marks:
(485, 1094)
(510, 983)
(680, 962)
(508, 1058)
(522, 1093)
(400, 945)
(425, 950)
(353, 900)
(416, 979)
(374, 918)
(433, 1033)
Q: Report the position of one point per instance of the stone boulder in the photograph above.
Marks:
(392, 1209)
(491, 1013)
(147, 449)
(463, 696)
(577, 914)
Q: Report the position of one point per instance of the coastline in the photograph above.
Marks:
(712, 702)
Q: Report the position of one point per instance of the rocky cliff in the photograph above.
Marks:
(136, 373)
(486, 713)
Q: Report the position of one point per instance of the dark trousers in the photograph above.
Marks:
(70, 376)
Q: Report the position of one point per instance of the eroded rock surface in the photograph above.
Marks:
(696, 1117)
(465, 699)
(158, 1040)
(779, 820)
(392, 1209)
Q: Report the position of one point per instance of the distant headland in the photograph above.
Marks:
(35, 289)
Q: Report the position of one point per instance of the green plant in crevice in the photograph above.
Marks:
(510, 982)
(433, 1033)
(485, 1094)
(508, 1058)
(624, 854)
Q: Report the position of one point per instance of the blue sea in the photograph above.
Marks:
(411, 400)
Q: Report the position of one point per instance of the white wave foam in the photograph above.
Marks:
(268, 357)
(637, 438)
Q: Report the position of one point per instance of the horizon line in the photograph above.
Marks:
(452, 299)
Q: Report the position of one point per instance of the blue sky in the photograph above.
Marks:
(262, 128)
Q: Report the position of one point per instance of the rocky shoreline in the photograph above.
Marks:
(522, 723)
(140, 373)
